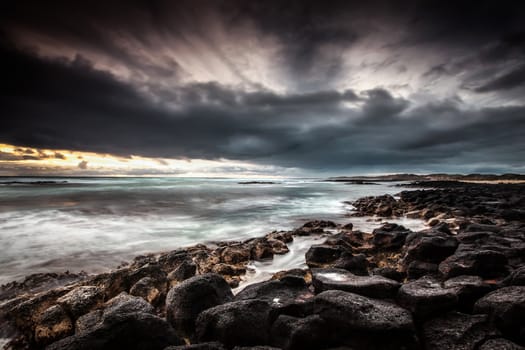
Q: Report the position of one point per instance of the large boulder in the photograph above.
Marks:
(426, 296)
(290, 295)
(468, 289)
(244, 322)
(365, 323)
(484, 263)
(139, 331)
(372, 286)
(189, 298)
(430, 246)
(292, 333)
(457, 331)
(506, 307)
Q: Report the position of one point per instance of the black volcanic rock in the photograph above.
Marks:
(366, 323)
(506, 307)
(188, 299)
(370, 286)
(426, 297)
(457, 331)
(123, 331)
(244, 322)
(292, 333)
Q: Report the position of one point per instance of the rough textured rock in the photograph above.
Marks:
(200, 346)
(125, 303)
(484, 263)
(188, 299)
(417, 269)
(371, 286)
(292, 333)
(88, 321)
(390, 236)
(81, 299)
(244, 322)
(290, 296)
(364, 322)
(320, 255)
(457, 331)
(123, 331)
(500, 344)
(516, 278)
(145, 288)
(426, 296)
(506, 307)
(185, 270)
(54, 323)
(430, 246)
(468, 289)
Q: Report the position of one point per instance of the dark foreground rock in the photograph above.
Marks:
(188, 299)
(458, 284)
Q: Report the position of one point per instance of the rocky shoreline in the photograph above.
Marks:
(460, 284)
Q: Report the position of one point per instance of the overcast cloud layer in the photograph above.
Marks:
(324, 86)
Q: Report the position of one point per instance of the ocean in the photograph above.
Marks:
(95, 224)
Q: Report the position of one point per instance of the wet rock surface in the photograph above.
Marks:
(458, 284)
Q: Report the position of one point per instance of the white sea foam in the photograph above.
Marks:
(95, 224)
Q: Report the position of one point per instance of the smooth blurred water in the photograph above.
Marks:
(93, 224)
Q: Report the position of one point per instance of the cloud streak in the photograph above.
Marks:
(325, 87)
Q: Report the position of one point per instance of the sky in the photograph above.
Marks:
(261, 88)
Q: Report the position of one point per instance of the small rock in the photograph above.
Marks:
(81, 299)
(185, 270)
(145, 288)
(54, 324)
(235, 254)
(321, 254)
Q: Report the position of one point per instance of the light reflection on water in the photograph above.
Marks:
(94, 224)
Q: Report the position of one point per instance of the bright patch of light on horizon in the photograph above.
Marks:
(19, 160)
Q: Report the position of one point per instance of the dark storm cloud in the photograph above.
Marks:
(507, 81)
(113, 87)
(74, 106)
